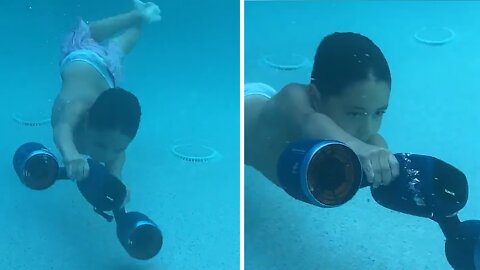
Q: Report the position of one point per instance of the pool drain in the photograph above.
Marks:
(434, 35)
(30, 123)
(288, 63)
(196, 153)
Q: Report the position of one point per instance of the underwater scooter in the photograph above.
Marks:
(327, 173)
(38, 169)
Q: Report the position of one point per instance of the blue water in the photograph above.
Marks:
(185, 72)
(433, 111)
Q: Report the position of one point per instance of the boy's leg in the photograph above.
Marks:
(106, 28)
(126, 41)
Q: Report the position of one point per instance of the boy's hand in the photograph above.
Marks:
(77, 167)
(380, 165)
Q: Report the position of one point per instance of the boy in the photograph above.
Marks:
(345, 101)
(91, 115)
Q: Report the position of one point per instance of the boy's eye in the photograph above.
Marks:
(355, 114)
(380, 113)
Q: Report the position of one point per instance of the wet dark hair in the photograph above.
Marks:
(345, 58)
(116, 109)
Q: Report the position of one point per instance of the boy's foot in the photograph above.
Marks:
(150, 11)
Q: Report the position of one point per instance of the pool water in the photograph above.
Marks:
(433, 111)
(185, 72)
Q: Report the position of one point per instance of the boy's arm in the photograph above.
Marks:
(378, 140)
(65, 117)
(295, 105)
(115, 166)
(320, 126)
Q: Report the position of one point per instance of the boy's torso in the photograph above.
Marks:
(81, 83)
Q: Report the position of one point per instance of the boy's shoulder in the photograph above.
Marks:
(294, 87)
(293, 96)
(78, 94)
(71, 102)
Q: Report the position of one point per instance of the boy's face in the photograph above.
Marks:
(106, 145)
(360, 107)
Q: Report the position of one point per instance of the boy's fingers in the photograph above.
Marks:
(394, 166)
(385, 171)
(367, 169)
(377, 173)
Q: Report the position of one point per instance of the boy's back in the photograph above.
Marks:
(272, 125)
(81, 86)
